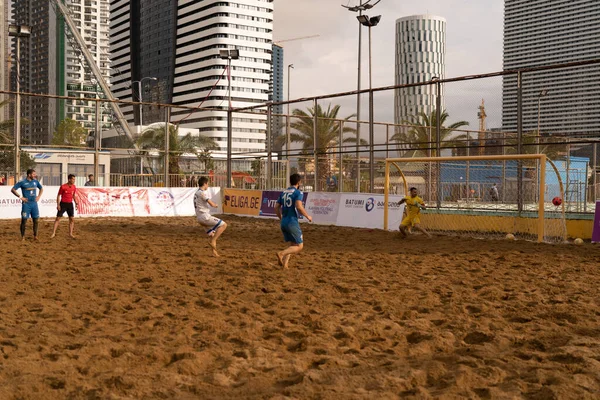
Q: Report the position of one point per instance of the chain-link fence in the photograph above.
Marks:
(152, 144)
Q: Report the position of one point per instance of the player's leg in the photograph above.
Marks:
(25, 214)
(292, 234)
(56, 222)
(23, 226)
(59, 215)
(405, 226)
(218, 226)
(422, 230)
(71, 214)
(35, 215)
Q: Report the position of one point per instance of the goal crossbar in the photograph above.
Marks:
(541, 158)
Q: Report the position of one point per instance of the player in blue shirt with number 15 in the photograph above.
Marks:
(287, 208)
(29, 200)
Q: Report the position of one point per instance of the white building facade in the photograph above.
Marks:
(192, 34)
(420, 56)
(91, 17)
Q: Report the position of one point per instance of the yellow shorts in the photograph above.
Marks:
(411, 221)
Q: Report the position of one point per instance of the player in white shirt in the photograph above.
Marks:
(202, 203)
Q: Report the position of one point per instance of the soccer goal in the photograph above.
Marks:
(483, 196)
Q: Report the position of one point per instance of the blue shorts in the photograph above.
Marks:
(292, 232)
(30, 210)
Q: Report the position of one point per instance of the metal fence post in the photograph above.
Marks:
(371, 141)
(519, 141)
(341, 160)
(315, 137)
(438, 142)
(97, 134)
(167, 145)
(595, 169)
(269, 147)
(229, 144)
(18, 112)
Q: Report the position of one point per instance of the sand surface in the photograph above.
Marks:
(137, 309)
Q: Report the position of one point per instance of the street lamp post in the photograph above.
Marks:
(229, 54)
(363, 5)
(371, 22)
(287, 129)
(18, 31)
(538, 138)
(140, 98)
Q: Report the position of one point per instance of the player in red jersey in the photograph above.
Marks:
(64, 203)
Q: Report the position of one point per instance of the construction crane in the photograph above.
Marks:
(276, 42)
(62, 8)
(482, 116)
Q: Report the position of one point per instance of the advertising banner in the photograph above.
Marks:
(596, 229)
(366, 211)
(269, 198)
(242, 202)
(10, 205)
(113, 202)
(323, 207)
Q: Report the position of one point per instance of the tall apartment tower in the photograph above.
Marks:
(91, 17)
(50, 64)
(38, 68)
(541, 32)
(5, 60)
(420, 56)
(182, 53)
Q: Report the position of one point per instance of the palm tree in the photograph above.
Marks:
(327, 137)
(530, 145)
(153, 138)
(7, 137)
(421, 134)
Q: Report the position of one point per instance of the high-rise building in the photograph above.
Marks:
(5, 60)
(420, 56)
(51, 64)
(276, 89)
(182, 52)
(91, 17)
(37, 68)
(542, 32)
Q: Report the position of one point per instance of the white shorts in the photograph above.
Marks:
(210, 222)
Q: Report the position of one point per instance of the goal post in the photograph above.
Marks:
(484, 196)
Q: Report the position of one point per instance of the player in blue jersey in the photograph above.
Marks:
(29, 199)
(287, 208)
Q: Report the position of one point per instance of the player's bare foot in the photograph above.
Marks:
(286, 261)
(213, 246)
(280, 259)
(36, 238)
(22, 238)
(53, 235)
(73, 236)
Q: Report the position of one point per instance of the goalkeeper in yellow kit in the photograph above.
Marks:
(414, 205)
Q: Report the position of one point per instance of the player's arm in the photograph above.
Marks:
(278, 210)
(302, 211)
(402, 201)
(58, 197)
(39, 196)
(75, 198)
(423, 206)
(14, 191)
(211, 203)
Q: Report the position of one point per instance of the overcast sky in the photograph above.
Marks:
(328, 63)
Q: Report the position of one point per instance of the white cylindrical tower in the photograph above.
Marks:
(420, 56)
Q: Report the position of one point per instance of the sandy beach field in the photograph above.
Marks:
(139, 309)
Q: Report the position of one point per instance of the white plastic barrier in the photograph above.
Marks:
(366, 211)
(10, 205)
(115, 202)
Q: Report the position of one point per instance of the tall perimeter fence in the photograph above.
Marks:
(553, 110)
